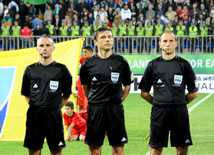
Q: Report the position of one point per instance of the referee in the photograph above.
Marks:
(169, 75)
(46, 86)
(102, 77)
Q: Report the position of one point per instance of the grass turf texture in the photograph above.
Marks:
(137, 115)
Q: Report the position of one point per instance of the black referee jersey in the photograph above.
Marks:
(46, 84)
(169, 79)
(105, 78)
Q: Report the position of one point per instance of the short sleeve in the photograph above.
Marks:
(84, 76)
(127, 76)
(26, 84)
(65, 119)
(190, 78)
(146, 81)
(66, 82)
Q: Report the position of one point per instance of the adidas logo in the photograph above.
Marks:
(35, 86)
(187, 141)
(94, 79)
(123, 139)
(159, 81)
(60, 144)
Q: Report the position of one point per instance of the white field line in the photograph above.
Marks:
(191, 109)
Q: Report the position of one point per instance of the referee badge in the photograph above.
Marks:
(178, 79)
(115, 77)
(54, 85)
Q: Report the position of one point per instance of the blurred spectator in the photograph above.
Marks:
(16, 32)
(134, 21)
(102, 14)
(148, 4)
(7, 19)
(83, 20)
(169, 27)
(134, 12)
(194, 12)
(84, 13)
(179, 2)
(72, 4)
(160, 10)
(171, 14)
(179, 12)
(63, 5)
(131, 4)
(141, 18)
(36, 34)
(50, 28)
(149, 19)
(118, 20)
(82, 5)
(76, 19)
(90, 19)
(188, 4)
(120, 4)
(57, 23)
(36, 21)
(63, 31)
(117, 11)
(44, 30)
(103, 5)
(200, 21)
(184, 12)
(175, 22)
(186, 22)
(110, 14)
(48, 13)
(172, 4)
(30, 11)
(97, 20)
(52, 4)
(150, 12)
(212, 10)
(70, 14)
(95, 11)
(17, 19)
(203, 11)
(61, 11)
(125, 12)
(13, 6)
(205, 3)
(92, 4)
(22, 12)
(67, 21)
(96, 26)
(5, 31)
(6, 10)
(75, 29)
(111, 4)
(210, 21)
(26, 41)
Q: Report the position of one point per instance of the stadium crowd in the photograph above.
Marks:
(126, 18)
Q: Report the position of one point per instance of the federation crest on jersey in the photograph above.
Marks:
(54, 85)
(178, 79)
(115, 77)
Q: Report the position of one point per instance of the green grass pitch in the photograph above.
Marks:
(137, 115)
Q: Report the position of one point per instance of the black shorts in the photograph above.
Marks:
(106, 119)
(41, 124)
(173, 120)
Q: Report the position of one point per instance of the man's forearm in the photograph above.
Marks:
(147, 96)
(126, 90)
(85, 90)
(191, 96)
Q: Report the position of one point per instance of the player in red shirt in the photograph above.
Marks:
(82, 101)
(74, 123)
